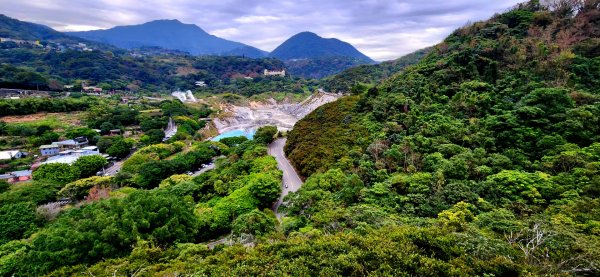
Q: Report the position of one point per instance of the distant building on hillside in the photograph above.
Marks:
(16, 176)
(92, 89)
(75, 143)
(70, 156)
(57, 146)
(49, 150)
(11, 154)
(114, 132)
(274, 73)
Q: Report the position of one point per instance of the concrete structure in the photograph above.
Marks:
(70, 156)
(17, 176)
(274, 73)
(75, 143)
(49, 150)
(114, 132)
(11, 154)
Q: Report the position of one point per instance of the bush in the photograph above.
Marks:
(95, 232)
(254, 223)
(17, 221)
(58, 173)
(80, 188)
(89, 165)
(120, 147)
(265, 134)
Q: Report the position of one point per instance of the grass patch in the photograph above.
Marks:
(54, 120)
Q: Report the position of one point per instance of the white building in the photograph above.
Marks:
(274, 73)
(11, 154)
(49, 150)
(70, 156)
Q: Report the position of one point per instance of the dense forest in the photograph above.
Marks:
(321, 67)
(488, 146)
(481, 159)
(34, 68)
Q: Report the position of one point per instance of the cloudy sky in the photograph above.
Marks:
(382, 29)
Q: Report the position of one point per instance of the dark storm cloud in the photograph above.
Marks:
(381, 29)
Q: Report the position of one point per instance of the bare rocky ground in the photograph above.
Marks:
(283, 115)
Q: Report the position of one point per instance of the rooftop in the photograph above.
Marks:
(9, 154)
(48, 146)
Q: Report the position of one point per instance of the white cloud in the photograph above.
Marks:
(227, 32)
(77, 28)
(250, 19)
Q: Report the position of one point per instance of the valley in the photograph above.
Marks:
(167, 149)
(283, 114)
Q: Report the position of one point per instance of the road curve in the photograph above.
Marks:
(291, 179)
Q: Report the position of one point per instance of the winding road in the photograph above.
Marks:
(291, 180)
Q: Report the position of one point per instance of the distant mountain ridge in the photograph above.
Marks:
(305, 54)
(170, 34)
(307, 45)
(21, 30)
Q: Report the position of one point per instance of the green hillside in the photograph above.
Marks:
(493, 136)
(482, 159)
(33, 68)
(370, 74)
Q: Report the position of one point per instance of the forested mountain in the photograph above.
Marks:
(311, 56)
(371, 74)
(170, 34)
(318, 68)
(20, 30)
(49, 70)
(15, 29)
(60, 60)
(307, 45)
(489, 144)
(482, 159)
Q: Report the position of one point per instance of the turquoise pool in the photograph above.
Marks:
(235, 133)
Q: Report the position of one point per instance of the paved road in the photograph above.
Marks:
(114, 169)
(291, 180)
(208, 167)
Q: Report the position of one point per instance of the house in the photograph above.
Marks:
(274, 73)
(114, 132)
(70, 156)
(75, 143)
(11, 154)
(49, 150)
(16, 176)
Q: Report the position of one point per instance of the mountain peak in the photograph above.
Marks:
(166, 21)
(169, 34)
(307, 45)
(306, 33)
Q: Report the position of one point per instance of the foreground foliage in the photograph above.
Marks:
(482, 159)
